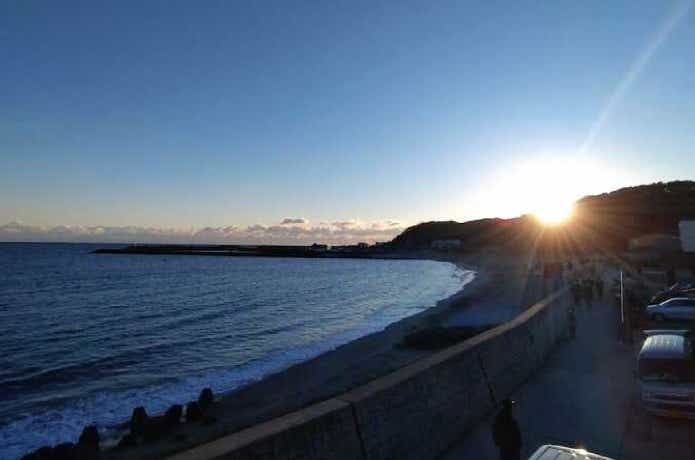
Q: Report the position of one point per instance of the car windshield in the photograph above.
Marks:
(667, 370)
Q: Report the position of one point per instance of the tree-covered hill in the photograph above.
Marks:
(606, 221)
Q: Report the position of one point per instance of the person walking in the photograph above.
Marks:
(576, 292)
(506, 433)
(588, 291)
(599, 287)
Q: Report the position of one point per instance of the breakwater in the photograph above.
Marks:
(314, 251)
(415, 412)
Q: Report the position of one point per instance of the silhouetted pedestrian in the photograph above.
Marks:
(572, 322)
(599, 287)
(576, 292)
(588, 292)
(506, 433)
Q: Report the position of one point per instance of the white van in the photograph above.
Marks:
(666, 370)
(550, 452)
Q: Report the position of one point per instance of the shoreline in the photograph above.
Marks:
(344, 367)
(252, 391)
(110, 419)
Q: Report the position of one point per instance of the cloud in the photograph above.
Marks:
(288, 231)
(344, 224)
(293, 220)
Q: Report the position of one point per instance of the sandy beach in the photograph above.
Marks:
(497, 293)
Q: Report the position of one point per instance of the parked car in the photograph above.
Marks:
(677, 290)
(666, 371)
(675, 308)
(550, 452)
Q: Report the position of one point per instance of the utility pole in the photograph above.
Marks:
(622, 299)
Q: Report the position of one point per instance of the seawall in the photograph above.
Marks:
(417, 411)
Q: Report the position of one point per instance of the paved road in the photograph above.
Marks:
(586, 395)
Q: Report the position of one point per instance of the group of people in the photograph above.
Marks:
(586, 285)
(586, 290)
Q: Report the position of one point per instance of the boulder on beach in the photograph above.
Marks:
(209, 420)
(87, 447)
(137, 421)
(89, 436)
(64, 451)
(44, 452)
(127, 441)
(193, 412)
(172, 416)
(206, 399)
(154, 428)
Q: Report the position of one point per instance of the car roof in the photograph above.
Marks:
(669, 346)
(690, 299)
(551, 452)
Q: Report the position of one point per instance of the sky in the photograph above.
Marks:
(334, 121)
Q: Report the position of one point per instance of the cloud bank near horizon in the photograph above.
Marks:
(291, 230)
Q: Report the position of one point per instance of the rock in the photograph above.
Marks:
(86, 452)
(137, 421)
(180, 436)
(89, 436)
(127, 441)
(193, 412)
(45, 452)
(172, 416)
(206, 399)
(87, 447)
(209, 420)
(154, 428)
(64, 451)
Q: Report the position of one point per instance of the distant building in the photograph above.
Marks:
(445, 245)
(319, 247)
(363, 245)
(687, 232)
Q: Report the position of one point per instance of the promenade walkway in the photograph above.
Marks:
(586, 395)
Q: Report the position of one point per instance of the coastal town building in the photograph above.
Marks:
(686, 229)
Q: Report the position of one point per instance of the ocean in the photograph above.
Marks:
(85, 338)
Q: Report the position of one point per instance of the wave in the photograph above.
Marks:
(63, 419)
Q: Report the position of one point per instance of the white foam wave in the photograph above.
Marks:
(108, 409)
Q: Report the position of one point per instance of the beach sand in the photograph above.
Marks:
(499, 291)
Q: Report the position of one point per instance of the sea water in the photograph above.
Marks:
(84, 338)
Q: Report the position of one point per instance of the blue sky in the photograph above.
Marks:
(180, 115)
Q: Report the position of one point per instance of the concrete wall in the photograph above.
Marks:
(415, 412)
(325, 430)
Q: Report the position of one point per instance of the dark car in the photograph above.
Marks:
(681, 308)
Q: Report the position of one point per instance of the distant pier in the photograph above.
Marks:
(361, 251)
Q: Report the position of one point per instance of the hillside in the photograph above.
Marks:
(605, 222)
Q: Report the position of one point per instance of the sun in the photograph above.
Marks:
(554, 212)
(546, 186)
